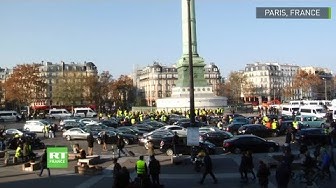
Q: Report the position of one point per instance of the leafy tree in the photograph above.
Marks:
(68, 89)
(123, 92)
(305, 81)
(25, 85)
(237, 84)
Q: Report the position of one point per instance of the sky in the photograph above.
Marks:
(121, 35)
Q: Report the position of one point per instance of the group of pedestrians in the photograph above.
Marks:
(118, 144)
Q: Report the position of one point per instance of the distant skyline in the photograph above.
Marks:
(119, 35)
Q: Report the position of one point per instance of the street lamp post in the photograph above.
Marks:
(191, 71)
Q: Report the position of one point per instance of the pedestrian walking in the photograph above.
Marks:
(90, 141)
(175, 142)
(243, 167)
(154, 170)
(103, 140)
(250, 165)
(262, 174)
(208, 169)
(283, 174)
(120, 145)
(43, 163)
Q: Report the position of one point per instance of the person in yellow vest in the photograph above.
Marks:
(18, 153)
(295, 125)
(133, 121)
(274, 124)
(230, 119)
(141, 167)
(140, 117)
(46, 131)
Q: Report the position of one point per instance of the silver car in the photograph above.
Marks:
(75, 133)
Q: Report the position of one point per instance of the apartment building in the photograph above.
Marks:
(54, 72)
(156, 81)
(269, 79)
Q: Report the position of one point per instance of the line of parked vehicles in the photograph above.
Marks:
(235, 137)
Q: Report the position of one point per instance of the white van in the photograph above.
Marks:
(84, 112)
(10, 116)
(289, 109)
(317, 111)
(59, 113)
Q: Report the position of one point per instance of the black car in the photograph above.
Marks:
(233, 128)
(311, 136)
(253, 143)
(10, 133)
(166, 146)
(130, 130)
(185, 122)
(155, 137)
(216, 137)
(144, 127)
(71, 124)
(110, 123)
(258, 130)
(112, 137)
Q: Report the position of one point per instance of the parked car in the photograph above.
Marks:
(75, 133)
(131, 130)
(166, 146)
(175, 128)
(312, 121)
(258, 130)
(10, 133)
(36, 143)
(155, 124)
(112, 137)
(241, 120)
(185, 122)
(233, 128)
(216, 137)
(155, 137)
(311, 136)
(110, 123)
(144, 127)
(253, 143)
(36, 125)
(206, 129)
(88, 121)
(70, 124)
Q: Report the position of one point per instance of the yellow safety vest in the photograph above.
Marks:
(274, 125)
(296, 125)
(18, 152)
(140, 166)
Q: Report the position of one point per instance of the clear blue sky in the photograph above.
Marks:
(118, 35)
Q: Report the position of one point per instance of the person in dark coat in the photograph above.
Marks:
(43, 163)
(282, 175)
(103, 140)
(116, 172)
(243, 167)
(208, 169)
(175, 142)
(250, 165)
(263, 173)
(154, 170)
(124, 178)
(120, 145)
(90, 141)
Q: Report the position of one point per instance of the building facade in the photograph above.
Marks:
(53, 73)
(156, 81)
(268, 79)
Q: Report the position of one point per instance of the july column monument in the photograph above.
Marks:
(204, 96)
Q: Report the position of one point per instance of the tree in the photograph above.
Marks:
(237, 84)
(123, 92)
(25, 85)
(304, 82)
(68, 89)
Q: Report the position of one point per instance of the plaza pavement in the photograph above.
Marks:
(182, 175)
